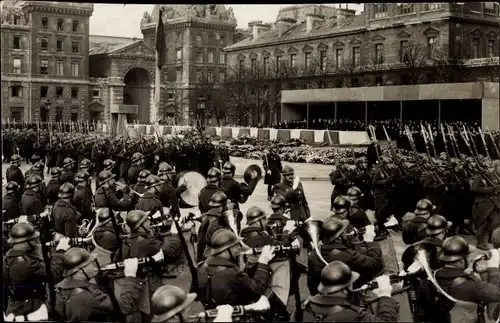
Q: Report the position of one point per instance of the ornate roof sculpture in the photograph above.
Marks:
(201, 12)
(11, 8)
(299, 12)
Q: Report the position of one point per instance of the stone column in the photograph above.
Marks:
(152, 103)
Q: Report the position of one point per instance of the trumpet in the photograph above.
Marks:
(277, 249)
(259, 307)
(394, 278)
(72, 242)
(158, 258)
(30, 218)
(479, 268)
(121, 186)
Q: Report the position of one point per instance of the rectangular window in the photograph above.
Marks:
(198, 39)
(222, 76)
(75, 26)
(74, 93)
(45, 23)
(75, 48)
(339, 57)
(43, 91)
(210, 76)
(241, 65)
(307, 60)
(432, 6)
(491, 47)
(59, 92)
(178, 74)
(222, 57)
(355, 56)
(17, 20)
(16, 114)
(44, 45)
(96, 93)
(17, 42)
(199, 75)
(17, 91)
(403, 48)
(293, 60)
(210, 56)
(16, 66)
(475, 48)
(278, 64)
(59, 114)
(178, 36)
(322, 59)
(178, 55)
(431, 42)
(75, 70)
(44, 66)
(379, 53)
(253, 65)
(380, 10)
(199, 57)
(59, 45)
(74, 116)
(60, 25)
(60, 68)
(266, 65)
(407, 8)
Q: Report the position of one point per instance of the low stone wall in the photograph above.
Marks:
(310, 136)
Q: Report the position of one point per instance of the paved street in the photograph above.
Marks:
(317, 193)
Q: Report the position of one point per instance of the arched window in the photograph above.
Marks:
(45, 23)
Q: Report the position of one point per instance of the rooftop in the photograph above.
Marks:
(99, 44)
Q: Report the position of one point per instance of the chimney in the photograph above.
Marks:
(343, 14)
(312, 20)
(258, 27)
(284, 24)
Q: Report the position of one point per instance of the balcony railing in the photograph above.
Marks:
(484, 61)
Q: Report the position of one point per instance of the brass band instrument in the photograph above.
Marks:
(85, 228)
(196, 183)
(72, 242)
(479, 268)
(312, 228)
(30, 218)
(277, 249)
(259, 307)
(252, 176)
(158, 258)
(394, 278)
(121, 186)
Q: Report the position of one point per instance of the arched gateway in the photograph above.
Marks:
(137, 92)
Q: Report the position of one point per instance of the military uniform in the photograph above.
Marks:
(68, 176)
(31, 203)
(341, 185)
(272, 168)
(15, 174)
(149, 202)
(233, 189)
(11, 207)
(66, 219)
(296, 198)
(205, 196)
(208, 218)
(82, 201)
(105, 197)
(133, 174)
(52, 190)
(486, 211)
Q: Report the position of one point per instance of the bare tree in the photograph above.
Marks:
(178, 99)
(236, 91)
(443, 68)
(208, 91)
(384, 73)
(413, 58)
(493, 64)
(350, 72)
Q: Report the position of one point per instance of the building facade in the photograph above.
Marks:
(387, 44)
(195, 61)
(44, 57)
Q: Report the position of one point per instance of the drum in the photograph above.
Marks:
(196, 182)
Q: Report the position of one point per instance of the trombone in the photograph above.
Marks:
(121, 186)
(72, 242)
(276, 249)
(259, 307)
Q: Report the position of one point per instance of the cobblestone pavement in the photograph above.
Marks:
(317, 194)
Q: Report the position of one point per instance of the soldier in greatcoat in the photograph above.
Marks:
(66, 217)
(14, 173)
(272, 168)
(213, 182)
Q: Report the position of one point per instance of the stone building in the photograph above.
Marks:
(387, 44)
(195, 62)
(44, 60)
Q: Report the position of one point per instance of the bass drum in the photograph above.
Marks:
(196, 182)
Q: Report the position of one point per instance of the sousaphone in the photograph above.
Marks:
(196, 182)
(251, 176)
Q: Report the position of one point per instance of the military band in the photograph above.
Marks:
(112, 253)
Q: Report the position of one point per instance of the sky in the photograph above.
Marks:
(124, 21)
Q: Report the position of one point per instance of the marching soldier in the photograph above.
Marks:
(150, 202)
(291, 189)
(334, 301)
(434, 187)
(167, 174)
(277, 220)
(414, 224)
(11, 207)
(205, 196)
(86, 165)
(104, 237)
(82, 199)
(105, 195)
(337, 246)
(486, 212)
(80, 300)
(52, 188)
(37, 169)
(272, 167)
(14, 172)
(373, 152)
(140, 243)
(383, 184)
(137, 164)
(32, 201)
(140, 187)
(109, 165)
(170, 303)
(168, 193)
(68, 174)
(453, 279)
(218, 204)
(233, 190)
(222, 282)
(340, 181)
(65, 215)
(24, 272)
(348, 208)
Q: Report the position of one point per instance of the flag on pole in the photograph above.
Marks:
(160, 40)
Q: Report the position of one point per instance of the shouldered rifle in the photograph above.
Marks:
(45, 237)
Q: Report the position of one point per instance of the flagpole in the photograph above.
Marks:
(157, 89)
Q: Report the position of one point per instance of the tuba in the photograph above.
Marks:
(252, 176)
(311, 232)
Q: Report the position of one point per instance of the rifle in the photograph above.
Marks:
(493, 142)
(393, 152)
(431, 136)
(45, 237)
(447, 154)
